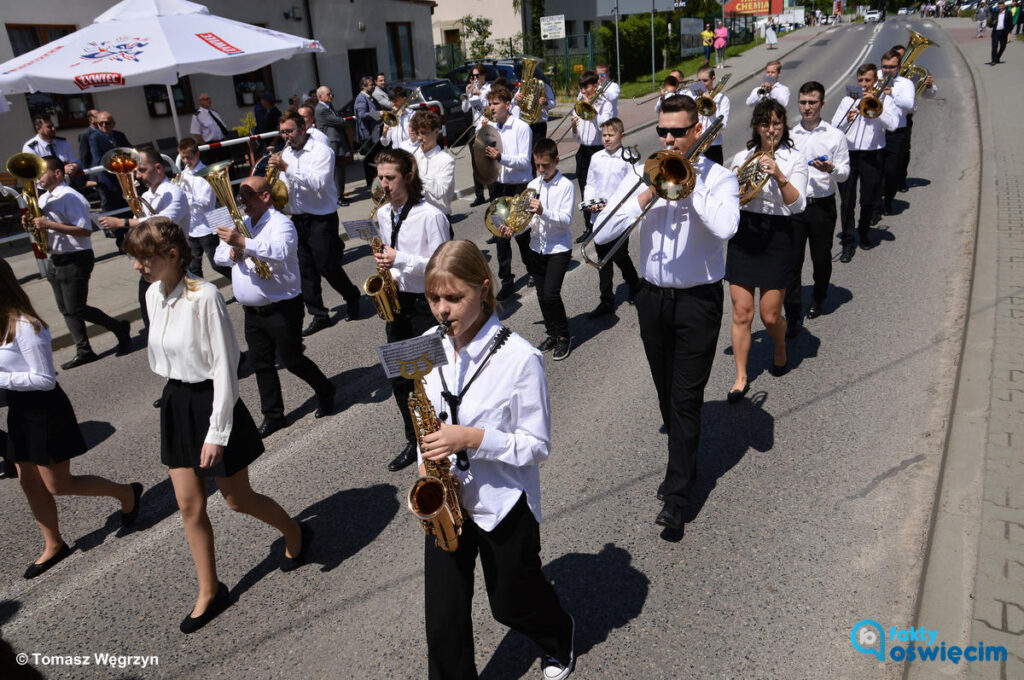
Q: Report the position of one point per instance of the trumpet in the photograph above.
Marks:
(28, 168)
(217, 176)
(122, 162)
(669, 174)
(278, 189)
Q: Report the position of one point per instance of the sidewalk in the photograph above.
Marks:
(973, 585)
(113, 286)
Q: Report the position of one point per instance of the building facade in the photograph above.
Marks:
(361, 37)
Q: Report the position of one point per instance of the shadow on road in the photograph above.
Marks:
(96, 431)
(602, 592)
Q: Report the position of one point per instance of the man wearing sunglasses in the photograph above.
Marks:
(475, 100)
(611, 92)
(680, 300)
(101, 141)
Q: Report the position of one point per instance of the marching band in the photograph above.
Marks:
(698, 220)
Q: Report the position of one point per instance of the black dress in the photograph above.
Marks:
(761, 252)
(42, 427)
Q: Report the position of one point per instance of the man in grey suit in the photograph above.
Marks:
(331, 124)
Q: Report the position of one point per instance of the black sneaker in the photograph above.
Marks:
(547, 344)
(584, 236)
(563, 348)
(480, 200)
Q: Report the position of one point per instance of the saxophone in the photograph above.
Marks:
(382, 289)
(434, 498)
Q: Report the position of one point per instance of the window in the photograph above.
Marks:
(69, 109)
(570, 33)
(588, 27)
(156, 98)
(400, 46)
(248, 85)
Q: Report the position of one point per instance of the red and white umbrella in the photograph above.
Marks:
(147, 42)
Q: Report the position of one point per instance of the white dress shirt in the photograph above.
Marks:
(722, 108)
(191, 339)
(823, 140)
(607, 173)
(793, 164)
(588, 132)
(437, 172)
(318, 137)
(905, 96)
(545, 111)
(516, 150)
(64, 205)
(201, 200)
(509, 401)
(550, 232)
(477, 102)
(58, 147)
(274, 241)
(866, 134)
(204, 125)
(612, 95)
(682, 243)
(310, 176)
(424, 229)
(399, 137)
(168, 200)
(26, 361)
(779, 93)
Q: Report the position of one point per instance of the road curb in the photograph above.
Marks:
(945, 590)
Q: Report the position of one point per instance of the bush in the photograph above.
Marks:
(635, 43)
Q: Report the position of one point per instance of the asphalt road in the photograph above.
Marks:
(816, 490)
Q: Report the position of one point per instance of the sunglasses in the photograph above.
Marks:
(674, 131)
(105, 122)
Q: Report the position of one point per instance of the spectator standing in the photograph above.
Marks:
(721, 38)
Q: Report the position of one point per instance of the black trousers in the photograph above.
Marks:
(340, 150)
(606, 274)
(679, 328)
(897, 156)
(369, 163)
(999, 43)
(276, 330)
(583, 156)
(503, 245)
(865, 168)
(143, 287)
(815, 226)
(414, 320)
(538, 131)
(320, 251)
(69, 278)
(548, 273)
(200, 245)
(715, 154)
(519, 595)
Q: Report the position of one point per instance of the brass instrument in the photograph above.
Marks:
(381, 287)
(278, 189)
(532, 90)
(28, 168)
(751, 175)
(669, 174)
(584, 108)
(915, 46)
(487, 115)
(764, 91)
(434, 497)
(657, 95)
(378, 196)
(390, 118)
(512, 212)
(122, 162)
(217, 176)
(706, 102)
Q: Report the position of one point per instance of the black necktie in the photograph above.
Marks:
(216, 119)
(396, 224)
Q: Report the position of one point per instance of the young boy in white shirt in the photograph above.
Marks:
(608, 171)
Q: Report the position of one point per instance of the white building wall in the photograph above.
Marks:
(338, 25)
(506, 23)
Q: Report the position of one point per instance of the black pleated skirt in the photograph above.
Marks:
(761, 252)
(184, 421)
(42, 427)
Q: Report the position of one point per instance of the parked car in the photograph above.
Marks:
(903, 11)
(509, 69)
(873, 15)
(440, 90)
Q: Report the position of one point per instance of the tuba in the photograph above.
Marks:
(217, 176)
(915, 46)
(750, 175)
(510, 211)
(121, 162)
(434, 497)
(381, 287)
(706, 102)
(278, 189)
(532, 90)
(28, 168)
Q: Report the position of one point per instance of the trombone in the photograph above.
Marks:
(471, 127)
(390, 118)
(584, 108)
(669, 174)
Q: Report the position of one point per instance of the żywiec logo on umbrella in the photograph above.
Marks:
(119, 49)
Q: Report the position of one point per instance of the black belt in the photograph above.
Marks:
(678, 293)
(204, 385)
(831, 198)
(60, 259)
(267, 309)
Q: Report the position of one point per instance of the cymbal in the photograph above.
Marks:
(486, 170)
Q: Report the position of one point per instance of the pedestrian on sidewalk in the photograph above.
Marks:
(721, 38)
(68, 228)
(44, 433)
(707, 39)
(981, 18)
(770, 35)
(1001, 22)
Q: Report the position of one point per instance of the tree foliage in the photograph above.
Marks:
(477, 32)
(635, 41)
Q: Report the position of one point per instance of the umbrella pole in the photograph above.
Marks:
(174, 112)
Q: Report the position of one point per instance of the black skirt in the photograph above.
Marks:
(42, 427)
(185, 410)
(761, 252)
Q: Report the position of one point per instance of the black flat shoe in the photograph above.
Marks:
(271, 425)
(316, 325)
(80, 360)
(352, 308)
(779, 371)
(661, 491)
(124, 339)
(847, 255)
(406, 458)
(737, 395)
(479, 201)
(671, 516)
(128, 518)
(220, 602)
(37, 569)
(814, 311)
(293, 563)
(326, 404)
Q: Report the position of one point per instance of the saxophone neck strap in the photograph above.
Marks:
(454, 400)
(396, 224)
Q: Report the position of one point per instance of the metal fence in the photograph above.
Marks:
(448, 57)
(565, 60)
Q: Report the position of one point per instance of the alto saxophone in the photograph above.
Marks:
(434, 497)
(381, 287)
